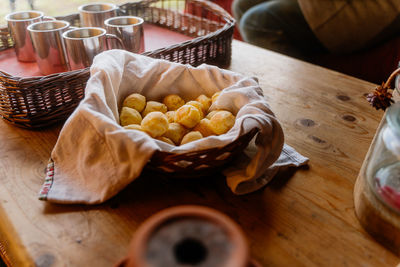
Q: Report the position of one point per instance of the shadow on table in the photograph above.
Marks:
(152, 192)
(284, 175)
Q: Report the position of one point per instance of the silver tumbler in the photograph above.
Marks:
(17, 24)
(83, 44)
(49, 45)
(130, 30)
(94, 15)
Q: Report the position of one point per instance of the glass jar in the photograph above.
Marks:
(383, 170)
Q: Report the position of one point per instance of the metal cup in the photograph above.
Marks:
(94, 15)
(129, 29)
(83, 44)
(49, 45)
(17, 23)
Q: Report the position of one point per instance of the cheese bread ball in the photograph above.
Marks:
(135, 101)
(175, 132)
(197, 105)
(170, 116)
(205, 101)
(191, 136)
(134, 127)
(204, 128)
(188, 116)
(154, 106)
(155, 123)
(215, 96)
(222, 122)
(212, 113)
(129, 116)
(173, 102)
(166, 140)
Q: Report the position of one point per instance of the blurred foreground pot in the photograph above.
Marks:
(188, 236)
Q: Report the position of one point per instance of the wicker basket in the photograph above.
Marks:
(41, 101)
(198, 163)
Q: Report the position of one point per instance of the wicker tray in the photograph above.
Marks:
(34, 102)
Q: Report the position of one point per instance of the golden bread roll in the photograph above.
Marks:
(166, 140)
(215, 96)
(155, 123)
(154, 106)
(222, 122)
(129, 116)
(169, 121)
(173, 102)
(170, 115)
(175, 132)
(197, 105)
(212, 113)
(134, 127)
(204, 128)
(135, 101)
(205, 101)
(188, 116)
(191, 136)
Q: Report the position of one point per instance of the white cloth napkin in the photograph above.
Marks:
(95, 158)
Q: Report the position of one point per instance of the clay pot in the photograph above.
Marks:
(188, 236)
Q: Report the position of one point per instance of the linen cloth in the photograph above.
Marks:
(95, 158)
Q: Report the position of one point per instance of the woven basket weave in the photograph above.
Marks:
(34, 102)
(198, 163)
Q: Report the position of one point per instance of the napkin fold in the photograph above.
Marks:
(95, 158)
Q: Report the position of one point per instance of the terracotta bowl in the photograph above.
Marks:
(188, 236)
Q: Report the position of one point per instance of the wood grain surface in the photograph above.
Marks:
(304, 217)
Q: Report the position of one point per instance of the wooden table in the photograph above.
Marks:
(303, 218)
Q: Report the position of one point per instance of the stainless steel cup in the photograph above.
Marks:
(94, 15)
(83, 44)
(48, 45)
(17, 23)
(129, 29)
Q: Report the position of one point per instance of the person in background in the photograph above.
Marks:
(300, 28)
